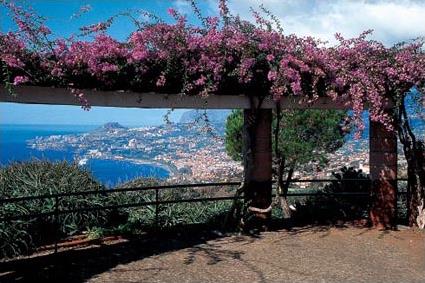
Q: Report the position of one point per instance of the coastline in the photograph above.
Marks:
(169, 168)
(14, 147)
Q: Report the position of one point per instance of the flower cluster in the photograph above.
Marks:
(12, 52)
(224, 55)
(98, 58)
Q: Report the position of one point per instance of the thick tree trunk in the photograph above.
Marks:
(258, 165)
(383, 173)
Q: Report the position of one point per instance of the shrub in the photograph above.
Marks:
(325, 208)
(44, 178)
(134, 220)
(39, 178)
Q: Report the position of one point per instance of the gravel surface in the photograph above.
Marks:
(309, 254)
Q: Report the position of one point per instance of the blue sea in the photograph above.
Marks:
(13, 147)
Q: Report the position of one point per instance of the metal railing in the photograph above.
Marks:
(105, 192)
(56, 212)
(157, 201)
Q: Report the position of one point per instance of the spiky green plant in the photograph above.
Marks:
(43, 177)
(39, 178)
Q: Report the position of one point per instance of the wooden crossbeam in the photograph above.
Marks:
(62, 96)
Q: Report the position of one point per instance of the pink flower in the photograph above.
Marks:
(272, 75)
(201, 81)
(139, 55)
(245, 72)
(78, 94)
(270, 57)
(18, 80)
(57, 72)
(172, 12)
(44, 30)
(296, 87)
(212, 21)
(161, 81)
(106, 67)
(12, 61)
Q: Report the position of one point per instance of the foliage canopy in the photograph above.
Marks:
(304, 135)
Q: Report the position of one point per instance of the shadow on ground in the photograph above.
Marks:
(78, 265)
(82, 264)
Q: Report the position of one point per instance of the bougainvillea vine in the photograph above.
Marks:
(226, 55)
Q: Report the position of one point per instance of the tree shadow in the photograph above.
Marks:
(300, 227)
(215, 253)
(221, 250)
(325, 229)
(81, 264)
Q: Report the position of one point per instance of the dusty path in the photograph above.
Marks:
(302, 255)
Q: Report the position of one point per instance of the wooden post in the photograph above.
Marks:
(383, 173)
(258, 164)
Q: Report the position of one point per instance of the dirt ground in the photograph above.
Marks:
(308, 254)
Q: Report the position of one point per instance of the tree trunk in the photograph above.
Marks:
(258, 166)
(414, 152)
(282, 188)
(283, 192)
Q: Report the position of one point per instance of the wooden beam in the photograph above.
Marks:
(62, 96)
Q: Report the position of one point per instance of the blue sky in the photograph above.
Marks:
(392, 21)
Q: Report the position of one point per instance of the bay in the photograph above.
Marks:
(13, 148)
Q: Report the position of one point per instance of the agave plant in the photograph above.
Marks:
(40, 178)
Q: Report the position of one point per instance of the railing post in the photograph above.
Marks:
(157, 209)
(56, 223)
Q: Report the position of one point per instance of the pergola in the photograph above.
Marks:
(258, 161)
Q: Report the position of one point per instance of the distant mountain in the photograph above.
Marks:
(214, 116)
(111, 126)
